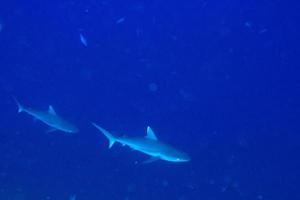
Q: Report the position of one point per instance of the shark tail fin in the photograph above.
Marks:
(20, 107)
(109, 136)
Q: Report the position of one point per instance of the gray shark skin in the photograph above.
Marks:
(50, 118)
(148, 145)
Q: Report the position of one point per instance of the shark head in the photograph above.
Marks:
(167, 152)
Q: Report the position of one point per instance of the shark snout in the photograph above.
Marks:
(185, 158)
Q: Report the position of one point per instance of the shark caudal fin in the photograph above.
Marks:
(20, 107)
(109, 136)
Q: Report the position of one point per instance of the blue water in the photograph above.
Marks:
(216, 79)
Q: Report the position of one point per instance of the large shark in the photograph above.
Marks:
(50, 118)
(149, 145)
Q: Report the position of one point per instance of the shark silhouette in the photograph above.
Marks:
(148, 145)
(50, 118)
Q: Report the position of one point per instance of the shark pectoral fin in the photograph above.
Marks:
(20, 107)
(50, 130)
(150, 134)
(51, 110)
(150, 160)
(111, 143)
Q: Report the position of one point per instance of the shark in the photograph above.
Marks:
(48, 117)
(149, 145)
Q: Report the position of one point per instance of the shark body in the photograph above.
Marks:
(50, 118)
(148, 145)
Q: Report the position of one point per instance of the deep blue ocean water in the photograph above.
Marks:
(216, 79)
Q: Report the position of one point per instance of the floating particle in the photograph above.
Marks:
(153, 87)
(86, 74)
(211, 182)
(260, 197)
(248, 24)
(262, 31)
(185, 95)
(138, 31)
(121, 20)
(131, 188)
(165, 183)
(83, 39)
(73, 197)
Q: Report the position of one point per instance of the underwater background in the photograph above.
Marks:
(216, 79)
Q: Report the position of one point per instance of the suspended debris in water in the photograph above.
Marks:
(121, 20)
(83, 40)
(153, 87)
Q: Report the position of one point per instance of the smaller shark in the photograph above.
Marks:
(148, 145)
(49, 117)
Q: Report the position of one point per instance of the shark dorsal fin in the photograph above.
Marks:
(150, 134)
(51, 110)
